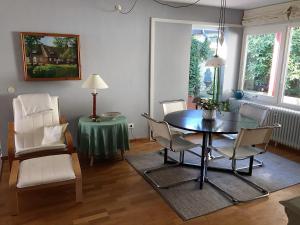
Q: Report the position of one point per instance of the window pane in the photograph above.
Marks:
(261, 62)
(204, 43)
(292, 82)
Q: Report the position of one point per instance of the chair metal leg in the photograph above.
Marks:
(168, 164)
(238, 174)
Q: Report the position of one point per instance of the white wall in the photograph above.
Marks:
(233, 42)
(114, 45)
(172, 62)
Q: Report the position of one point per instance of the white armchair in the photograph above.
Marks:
(26, 133)
(34, 162)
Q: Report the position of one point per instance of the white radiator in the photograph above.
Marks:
(289, 133)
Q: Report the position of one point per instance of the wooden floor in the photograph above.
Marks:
(115, 194)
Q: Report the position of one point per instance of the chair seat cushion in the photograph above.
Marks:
(45, 170)
(241, 153)
(178, 143)
(32, 142)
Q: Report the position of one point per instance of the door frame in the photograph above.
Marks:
(153, 22)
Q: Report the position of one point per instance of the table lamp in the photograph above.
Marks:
(94, 82)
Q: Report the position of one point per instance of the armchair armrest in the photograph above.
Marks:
(76, 165)
(77, 171)
(68, 136)
(62, 120)
(11, 143)
(69, 141)
(13, 177)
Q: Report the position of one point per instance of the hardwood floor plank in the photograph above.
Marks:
(115, 194)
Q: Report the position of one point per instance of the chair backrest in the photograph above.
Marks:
(26, 124)
(253, 112)
(173, 106)
(256, 136)
(158, 128)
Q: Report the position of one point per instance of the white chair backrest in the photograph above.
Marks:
(158, 128)
(253, 112)
(256, 136)
(27, 124)
(173, 106)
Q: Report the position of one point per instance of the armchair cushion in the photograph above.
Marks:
(45, 170)
(25, 124)
(35, 103)
(32, 142)
(54, 134)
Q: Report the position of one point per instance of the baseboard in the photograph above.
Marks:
(143, 139)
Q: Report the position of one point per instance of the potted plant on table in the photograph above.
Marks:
(209, 107)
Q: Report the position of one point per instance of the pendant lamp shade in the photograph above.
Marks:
(216, 61)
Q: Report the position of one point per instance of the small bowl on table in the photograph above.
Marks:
(108, 116)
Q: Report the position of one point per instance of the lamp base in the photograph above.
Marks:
(94, 117)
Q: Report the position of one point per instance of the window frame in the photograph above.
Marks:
(285, 67)
(257, 30)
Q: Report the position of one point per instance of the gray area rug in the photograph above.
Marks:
(190, 202)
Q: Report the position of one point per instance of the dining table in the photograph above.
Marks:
(224, 123)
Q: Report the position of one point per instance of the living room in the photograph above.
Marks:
(139, 111)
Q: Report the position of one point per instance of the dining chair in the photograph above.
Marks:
(170, 106)
(256, 113)
(160, 132)
(243, 148)
(249, 111)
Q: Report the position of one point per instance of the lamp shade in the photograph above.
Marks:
(94, 82)
(216, 61)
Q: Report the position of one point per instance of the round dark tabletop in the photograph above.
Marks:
(225, 123)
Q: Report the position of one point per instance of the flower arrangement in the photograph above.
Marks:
(208, 104)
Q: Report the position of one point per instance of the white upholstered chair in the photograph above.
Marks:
(243, 148)
(160, 132)
(26, 133)
(34, 164)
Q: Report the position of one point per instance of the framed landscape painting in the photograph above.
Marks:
(49, 56)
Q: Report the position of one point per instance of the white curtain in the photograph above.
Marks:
(272, 14)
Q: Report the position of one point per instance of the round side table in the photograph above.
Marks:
(102, 139)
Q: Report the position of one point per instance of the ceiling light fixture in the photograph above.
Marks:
(217, 62)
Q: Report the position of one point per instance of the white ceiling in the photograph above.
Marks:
(235, 4)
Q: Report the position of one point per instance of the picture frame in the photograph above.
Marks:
(50, 56)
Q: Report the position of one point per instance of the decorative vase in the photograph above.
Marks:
(209, 114)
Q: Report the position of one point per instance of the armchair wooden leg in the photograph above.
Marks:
(78, 189)
(78, 179)
(13, 193)
(14, 203)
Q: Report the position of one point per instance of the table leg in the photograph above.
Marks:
(92, 160)
(203, 158)
(122, 154)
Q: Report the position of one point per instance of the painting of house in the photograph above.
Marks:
(50, 56)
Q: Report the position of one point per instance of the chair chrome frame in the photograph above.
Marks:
(240, 174)
(168, 161)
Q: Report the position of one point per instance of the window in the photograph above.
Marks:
(203, 47)
(292, 78)
(270, 69)
(261, 63)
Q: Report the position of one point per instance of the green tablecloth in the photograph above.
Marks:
(102, 139)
